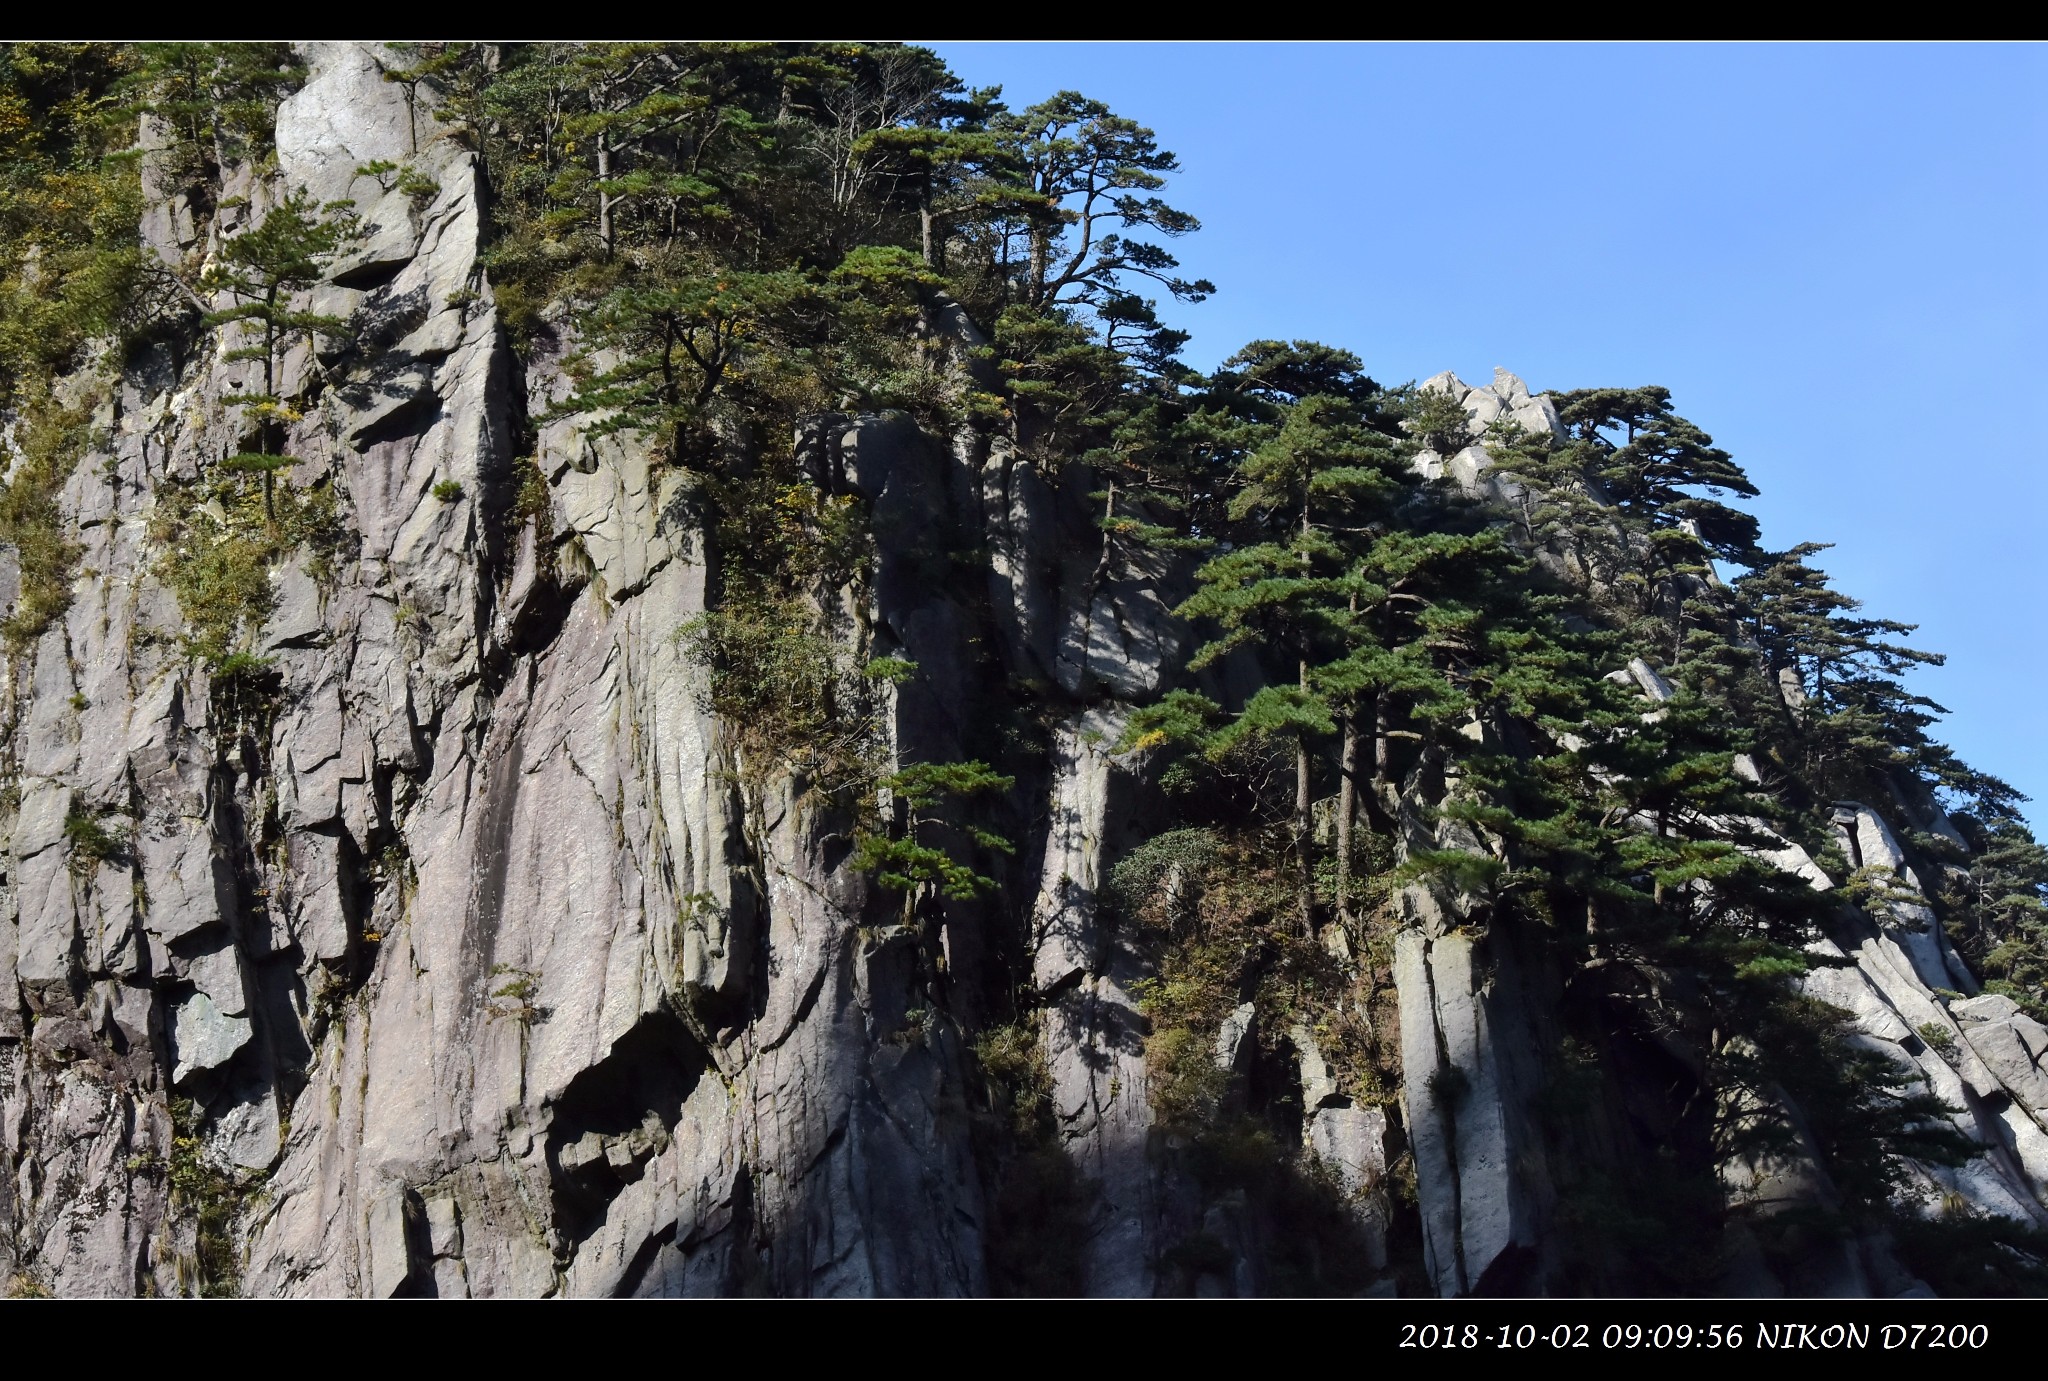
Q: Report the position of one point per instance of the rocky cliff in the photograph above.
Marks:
(473, 949)
(461, 951)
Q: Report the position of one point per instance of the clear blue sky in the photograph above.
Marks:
(1832, 255)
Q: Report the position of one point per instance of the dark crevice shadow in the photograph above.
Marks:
(617, 1116)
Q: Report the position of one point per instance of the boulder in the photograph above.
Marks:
(1233, 1044)
(203, 1037)
(1318, 1085)
(1988, 1007)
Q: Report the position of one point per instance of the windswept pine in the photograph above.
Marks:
(641, 669)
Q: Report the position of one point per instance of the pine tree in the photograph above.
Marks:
(679, 341)
(899, 853)
(217, 104)
(646, 124)
(1661, 459)
(1436, 420)
(1415, 567)
(1300, 500)
(1415, 661)
(1078, 175)
(1845, 719)
(262, 270)
(414, 66)
(896, 127)
(1266, 376)
(1996, 909)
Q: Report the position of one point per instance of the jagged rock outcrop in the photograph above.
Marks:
(1093, 1032)
(699, 1070)
(1467, 1045)
(483, 952)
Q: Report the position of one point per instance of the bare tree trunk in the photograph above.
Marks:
(924, 225)
(1303, 824)
(1382, 751)
(1302, 830)
(264, 429)
(604, 198)
(1347, 811)
(1663, 828)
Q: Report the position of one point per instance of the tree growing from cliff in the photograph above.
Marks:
(662, 351)
(1303, 496)
(1665, 482)
(1996, 904)
(1437, 420)
(651, 117)
(415, 65)
(935, 162)
(893, 128)
(1076, 178)
(1632, 848)
(898, 847)
(1381, 656)
(1417, 655)
(1069, 179)
(1659, 468)
(214, 554)
(73, 278)
(216, 104)
(1839, 713)
(263, 270)
(1633, 499)
(71, 267)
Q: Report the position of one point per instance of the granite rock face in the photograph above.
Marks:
(473, 958)
(483, 955)
(476, 953)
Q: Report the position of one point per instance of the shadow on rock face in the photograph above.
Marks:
(617, 1115)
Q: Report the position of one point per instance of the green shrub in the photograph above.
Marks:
(532, 499)
(49, 439)
(213, 1197)
(1134, 887)
(512, 1000)
(1187, 1087)
(216, 548)
(1014, 1072)
(1448, 1087)
(894, 670)
(240, 665)
(26, 1284)
(1041, 1207)
(1939, 1038)
(778, 686)
(91, 841)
